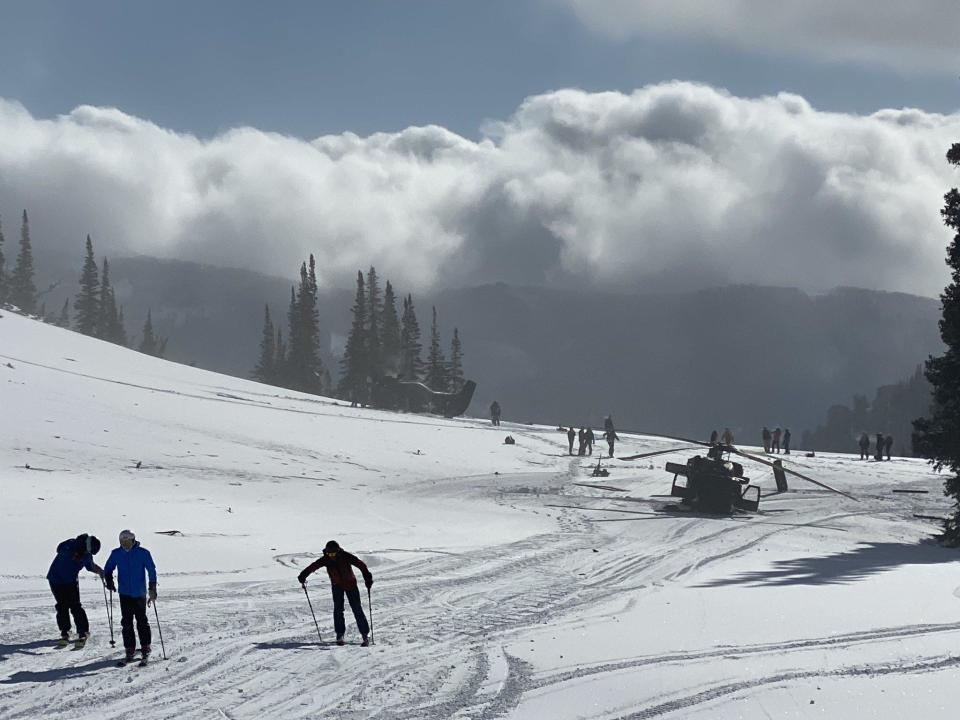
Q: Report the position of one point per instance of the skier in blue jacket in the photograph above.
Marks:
(72, 556)
(131, 561)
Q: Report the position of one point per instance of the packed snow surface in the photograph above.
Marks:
(508, 582)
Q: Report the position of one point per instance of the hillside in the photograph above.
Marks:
(508, 583)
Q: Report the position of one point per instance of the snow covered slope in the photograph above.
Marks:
(504, 588)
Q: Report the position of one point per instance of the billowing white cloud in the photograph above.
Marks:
(674, 185)
(901, 35)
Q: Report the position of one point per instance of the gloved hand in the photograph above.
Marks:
(108, 581)
(98, 570)
(153, 592)
(302, 579)
(369, 582)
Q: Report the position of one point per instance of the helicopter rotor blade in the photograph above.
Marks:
(659, 452)
(764, 461)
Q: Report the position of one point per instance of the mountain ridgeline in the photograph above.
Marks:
(681, 363)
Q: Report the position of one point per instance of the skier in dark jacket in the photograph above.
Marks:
(337, 561)
(766, 439)
(864, 443)
(786, 441)
(495, 413)
(132, 562)
(888, 444)
(72, 556)
(571, 436)
(775, 446)
(878, 455)
(589, 437)
(713, 437)
(610, 436)
(581, 441)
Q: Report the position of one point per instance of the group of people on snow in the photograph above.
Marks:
(884, 443)
(134, 566)
(771, 440)
(585, 438)
(726, 438)
(137, 588)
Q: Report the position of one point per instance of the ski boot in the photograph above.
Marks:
(340, 640)
(144, 655)
(366, 641)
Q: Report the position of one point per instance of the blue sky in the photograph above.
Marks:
(312, 68)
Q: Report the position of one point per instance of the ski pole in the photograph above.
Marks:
(370, 608)
(159, 631)
(109, 609)
(304, 586)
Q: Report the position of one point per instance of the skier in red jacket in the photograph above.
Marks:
(337, 561)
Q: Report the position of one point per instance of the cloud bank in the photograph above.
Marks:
(674, 185)
(919, 35)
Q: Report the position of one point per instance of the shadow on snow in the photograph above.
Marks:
(847, 567)
(28, 676)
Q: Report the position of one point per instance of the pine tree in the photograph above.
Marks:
(64, 319)
(23, 293)
(4, 281)
(374, 339)
(436, 378)
(937, 436)
(455, 373)
(353, 364)
(390, 332)
(87, 305)
(411, 362)
(107, 317)
(150, 344)
(305, 368)
(280, 361)
(119, 331)
(268, 350)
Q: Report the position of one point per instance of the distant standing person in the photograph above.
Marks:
(879, 453)
(495, 412)
(888, 444)
(571, 436)
(581, 441)
(713, 437)
(132, 562)
(727, 437)
(611, 437)
(786, 441)
(776, 441)
(864, 443)
(765, 435)
(608, 423)
(338, 563)
(72, 556)
(588, 436)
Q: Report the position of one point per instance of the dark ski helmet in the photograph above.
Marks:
(90, 543)
(331, 546)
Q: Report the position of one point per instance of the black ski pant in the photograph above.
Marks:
(134, 608)
(571, 446)
(353, 595)
(610, 447)
(68, 601)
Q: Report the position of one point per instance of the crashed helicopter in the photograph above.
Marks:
(715, 483)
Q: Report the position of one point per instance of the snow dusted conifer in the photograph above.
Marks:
(23, 293)
(64, 319)
(87, 305)
(937, 436)
(455, 378)
(411, 361)
(4, 282)
(264, 371)
(150, 344)
(436, 378)
(353, 364)
(374, 340)
(390, 333)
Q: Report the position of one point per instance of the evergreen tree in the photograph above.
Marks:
(4, 281)
(411, 361)
(390, 332)
(374, 313)
(108, 323)
(23, 293)
(264, 371)
(150, 344)
(64, 319)
(436, 378)
(280, 360)
(937, 436)
(455, 374)
(353, 364)
(119, 332)
(87, 305)
(305, 368)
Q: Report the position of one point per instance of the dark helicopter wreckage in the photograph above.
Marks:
(715, 483)
(391, 393)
